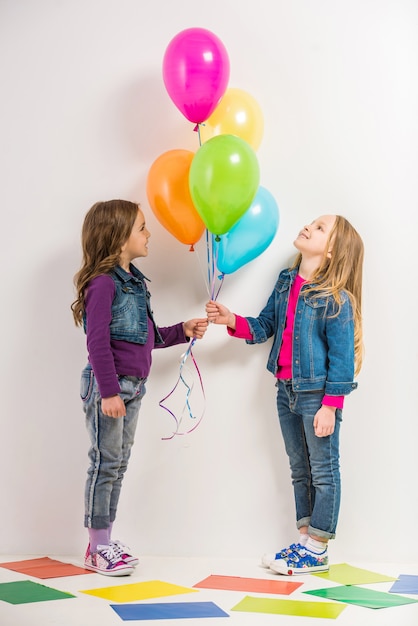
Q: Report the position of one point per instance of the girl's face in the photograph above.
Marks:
(137, 243)
(312, 240)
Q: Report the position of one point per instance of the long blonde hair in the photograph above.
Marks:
(106, 227)
(342, 271)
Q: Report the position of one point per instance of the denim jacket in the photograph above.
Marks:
(323, 344)
(131, 307)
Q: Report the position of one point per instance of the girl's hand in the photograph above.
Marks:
(324, 421)
(219, 314)
(113, 406)
(195, 328)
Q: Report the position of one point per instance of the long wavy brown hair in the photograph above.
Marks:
(106, 227)
(343, 270)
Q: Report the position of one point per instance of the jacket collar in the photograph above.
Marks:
(290, 273)
(126, 276)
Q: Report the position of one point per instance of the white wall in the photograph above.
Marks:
(83, 114)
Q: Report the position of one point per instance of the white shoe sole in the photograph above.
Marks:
(282, 568)
(132, 561)
(126, 571)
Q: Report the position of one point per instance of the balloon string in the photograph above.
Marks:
(202, 388)
(197, 127)
(213, 260)
(189, 389)
(214, 293)
(203, 270)
(209, 253)
(221, 278)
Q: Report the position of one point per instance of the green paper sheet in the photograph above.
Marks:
(139, 591)
(351, 594)
(251, 604)
(348, 575)
(25, 591)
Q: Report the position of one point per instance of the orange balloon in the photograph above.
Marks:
(169, 196)
(238, 113)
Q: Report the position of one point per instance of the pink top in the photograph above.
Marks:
(242, 331)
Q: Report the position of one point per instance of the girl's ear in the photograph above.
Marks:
(329, 254)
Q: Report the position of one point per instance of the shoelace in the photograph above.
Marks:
(119, 549)
(111, 555)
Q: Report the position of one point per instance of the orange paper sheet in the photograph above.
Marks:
(45, 567)
(254, 585)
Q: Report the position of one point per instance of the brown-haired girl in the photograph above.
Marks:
(113, 306)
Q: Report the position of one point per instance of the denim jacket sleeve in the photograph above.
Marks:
(340, 340)
(264, 326)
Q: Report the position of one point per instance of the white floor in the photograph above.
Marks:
(86, 610)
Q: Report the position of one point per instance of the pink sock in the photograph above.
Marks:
(98, 537)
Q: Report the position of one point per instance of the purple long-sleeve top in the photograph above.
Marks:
(111, 358)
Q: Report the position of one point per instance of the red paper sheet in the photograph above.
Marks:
(254, 585)
(45, 567)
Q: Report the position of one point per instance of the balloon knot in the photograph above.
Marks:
(191, 249)
(196, 128)
(217, 238)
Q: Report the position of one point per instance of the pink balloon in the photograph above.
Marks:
(196, 72)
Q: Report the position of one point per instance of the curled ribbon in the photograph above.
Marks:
(213, 292)
(189, 388)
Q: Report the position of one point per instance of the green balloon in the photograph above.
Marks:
(223, 180)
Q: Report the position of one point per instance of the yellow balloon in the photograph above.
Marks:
(238, 113)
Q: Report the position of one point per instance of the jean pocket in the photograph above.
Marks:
(86, 384)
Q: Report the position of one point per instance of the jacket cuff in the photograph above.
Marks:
(340, 388)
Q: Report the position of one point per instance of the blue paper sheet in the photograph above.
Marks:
(406, 583)
(168, 610)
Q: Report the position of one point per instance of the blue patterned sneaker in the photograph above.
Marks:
(106, 561)
(124, 552)
(301, 561)
(268, 558)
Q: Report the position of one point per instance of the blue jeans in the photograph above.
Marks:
(314, 461)
(111, 442)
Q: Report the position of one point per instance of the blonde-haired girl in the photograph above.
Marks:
(314, 317)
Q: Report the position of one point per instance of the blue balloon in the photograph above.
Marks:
(250, 236)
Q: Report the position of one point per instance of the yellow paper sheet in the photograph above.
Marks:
(139, 591)
(348, 575)
(251, 604)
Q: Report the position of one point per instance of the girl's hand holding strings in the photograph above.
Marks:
(195, 328)
(220, 314)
